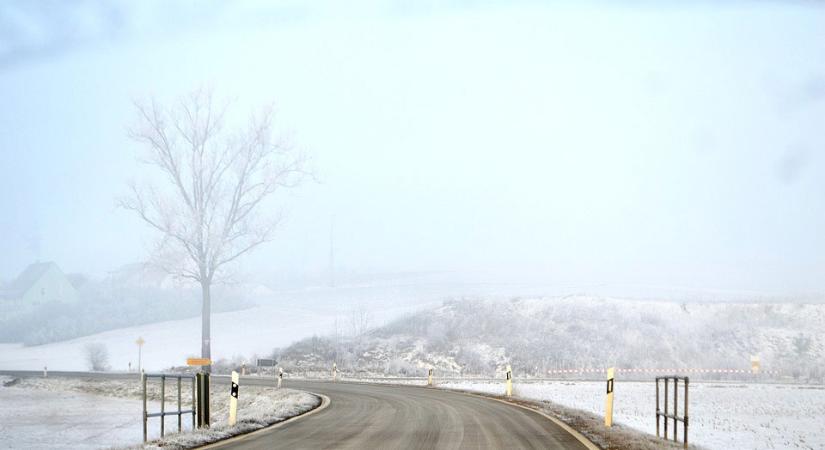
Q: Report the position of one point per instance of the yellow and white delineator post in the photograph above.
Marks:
(334, 372)
(608, 406)
(430, 377)
(755, 365)
(509, 386)
(233, 399)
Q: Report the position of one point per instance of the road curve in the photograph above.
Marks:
(368, 416)
(362, 416)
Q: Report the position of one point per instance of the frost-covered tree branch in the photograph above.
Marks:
(209, 206)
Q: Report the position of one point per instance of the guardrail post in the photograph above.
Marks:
(162, 404)
(675, 409)
(194, 403)
(658, 411)
(144, 377)
(180, 423)
(687, 381)
(665, 413)
(143, 382)
(665, 418)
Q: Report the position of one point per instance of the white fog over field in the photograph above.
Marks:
(392, 187)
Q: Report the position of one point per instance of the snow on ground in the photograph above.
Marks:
(168, 344)
(35, 419)
(258, 407)
(722, 415)
(256, 330)
(47, 413)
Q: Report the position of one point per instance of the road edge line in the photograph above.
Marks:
(325, 401)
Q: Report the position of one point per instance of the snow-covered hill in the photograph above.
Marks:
(538, 334)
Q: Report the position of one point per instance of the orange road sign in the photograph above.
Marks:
(198, 361)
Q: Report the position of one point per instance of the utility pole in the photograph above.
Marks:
(332, 251)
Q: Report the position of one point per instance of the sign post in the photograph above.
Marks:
(202, 382)
(233, 399)
(608, 414)
(509, 386)
(198, 361)
(264, 362)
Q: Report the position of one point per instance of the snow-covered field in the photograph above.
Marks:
(243, 333)
(168, 344)
(722, 415)
(56, 419)
(78, 413)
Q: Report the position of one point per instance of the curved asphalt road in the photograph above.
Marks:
(366, 416)
(362, 416)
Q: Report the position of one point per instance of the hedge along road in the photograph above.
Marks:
(365, 416)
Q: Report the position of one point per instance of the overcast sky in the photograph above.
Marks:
(670, 145)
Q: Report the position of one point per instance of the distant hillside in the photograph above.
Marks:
(534, 335)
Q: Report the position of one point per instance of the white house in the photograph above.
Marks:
(38, 284)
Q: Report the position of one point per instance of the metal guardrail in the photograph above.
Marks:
(163, 413)
(665, 415)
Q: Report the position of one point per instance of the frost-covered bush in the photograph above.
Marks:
(97, 356)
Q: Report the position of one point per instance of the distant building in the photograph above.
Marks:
(39, 284)
(142, 275)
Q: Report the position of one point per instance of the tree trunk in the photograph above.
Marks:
(206, 349)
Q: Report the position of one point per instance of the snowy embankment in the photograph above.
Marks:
(93, 413)
(722, 415)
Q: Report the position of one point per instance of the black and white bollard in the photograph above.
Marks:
(608, 401)
(508, 389)
(233, 399)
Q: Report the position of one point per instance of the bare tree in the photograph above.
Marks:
(97, 356)
(209, 205)
(360, 321)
